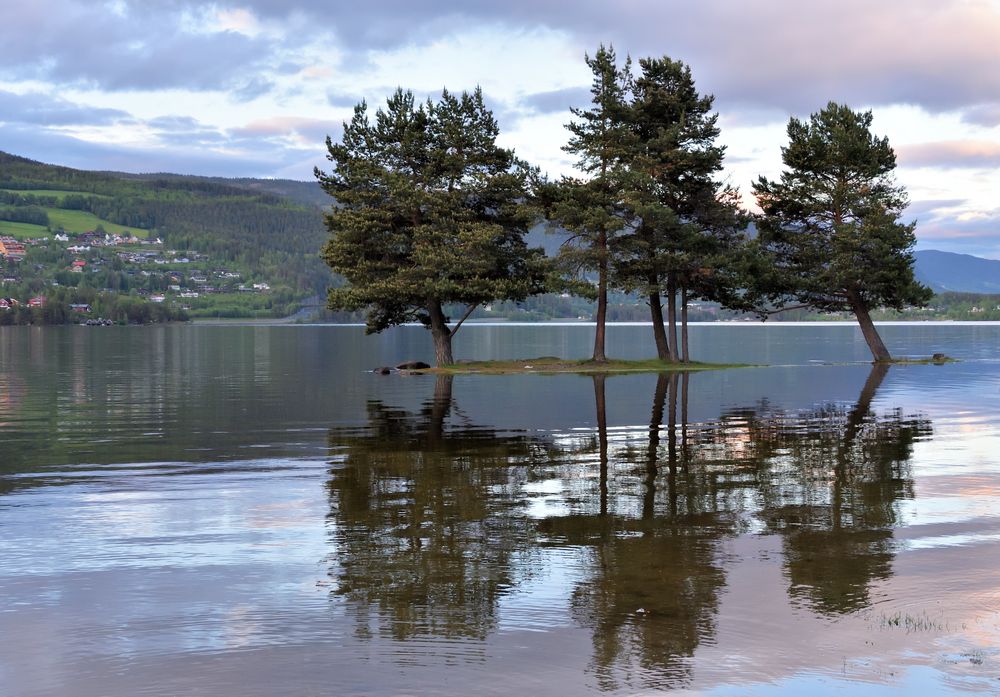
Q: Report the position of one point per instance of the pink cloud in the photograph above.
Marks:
(950, 154)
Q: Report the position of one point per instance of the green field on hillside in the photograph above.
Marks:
(58, 193)
(23, 231)
(82, 221)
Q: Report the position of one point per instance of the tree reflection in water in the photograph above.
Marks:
(652, 589)
(830, 481)
(430, 517)
(427, 520)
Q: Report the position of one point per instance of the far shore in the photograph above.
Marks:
(288, 321)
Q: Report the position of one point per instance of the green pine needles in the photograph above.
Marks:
(830, 234)
(431, 212)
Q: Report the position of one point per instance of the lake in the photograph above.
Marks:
(247, 510)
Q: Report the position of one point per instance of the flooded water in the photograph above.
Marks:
(246, 511)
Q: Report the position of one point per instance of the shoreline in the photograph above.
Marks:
(547, 365)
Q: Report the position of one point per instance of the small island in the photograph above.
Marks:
(552, 364)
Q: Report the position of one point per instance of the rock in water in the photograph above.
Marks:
(412, 365)
(383, 370)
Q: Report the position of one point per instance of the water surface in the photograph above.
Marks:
(247, 511)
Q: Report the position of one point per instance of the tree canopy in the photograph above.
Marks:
(687, 228)
(648, 214)
(429, 210)
(830, 230)
(592, 207)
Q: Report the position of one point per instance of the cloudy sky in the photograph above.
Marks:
(252, 87)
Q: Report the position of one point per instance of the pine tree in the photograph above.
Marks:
(591, 207)
(687, 229)
(429, 211)
(830, 225)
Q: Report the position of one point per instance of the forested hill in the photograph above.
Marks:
(964, 273)
(270, 230)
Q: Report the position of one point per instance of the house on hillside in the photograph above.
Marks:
(11, 248)
(82, 308)
(78, 266)
(37, 301)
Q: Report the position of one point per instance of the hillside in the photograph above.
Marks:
(960, 273)
(250, 233)
(212, 246)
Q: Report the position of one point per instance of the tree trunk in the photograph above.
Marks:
(602, 299)
(879, 352)
(439, 407)
(653, 452)
(672, 443)
(684, 417)
(602, 438)
(864, 404)
(440, 333)
(672, 317)
(685, 357)
(659, 333)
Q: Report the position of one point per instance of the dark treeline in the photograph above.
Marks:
(25, 214)
(118, 308)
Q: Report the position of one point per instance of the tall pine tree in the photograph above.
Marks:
(830, 225)
(429, 211)
(591, 207)
(687, 229)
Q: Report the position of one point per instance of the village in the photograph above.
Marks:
(76, 267)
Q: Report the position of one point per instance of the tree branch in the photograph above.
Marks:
(786, 309)
(468, 312)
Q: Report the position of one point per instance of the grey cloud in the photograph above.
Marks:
(770, 53)
(69, 42)
(253, 89)
(338, 99)
(310, 130)
(557, 100)
(47, 110)
(185, 153)
(983, 115)
(930, 207)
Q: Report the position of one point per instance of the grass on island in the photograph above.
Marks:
(933, 360)
(551, 364)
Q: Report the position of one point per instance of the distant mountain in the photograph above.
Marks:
(307, 193)
(960, 273)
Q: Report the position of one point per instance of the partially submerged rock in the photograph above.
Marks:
(412, 365)
(383, 370)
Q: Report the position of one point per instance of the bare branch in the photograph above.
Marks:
(468, 312)
(786, 309)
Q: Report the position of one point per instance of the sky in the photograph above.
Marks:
(253, 87)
